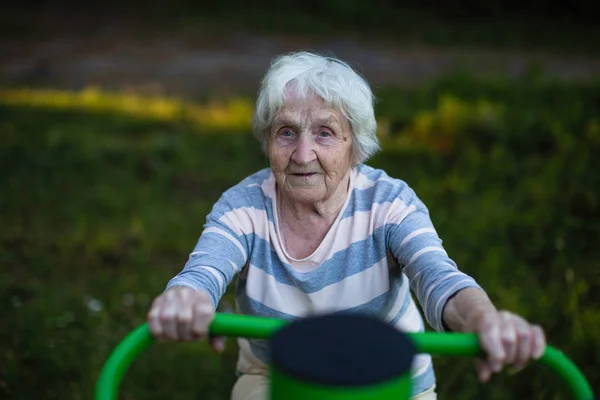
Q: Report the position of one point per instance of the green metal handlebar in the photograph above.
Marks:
(452, 344)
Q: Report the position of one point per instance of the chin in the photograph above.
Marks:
(306, 195)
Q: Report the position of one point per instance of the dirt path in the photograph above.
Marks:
(193, 66)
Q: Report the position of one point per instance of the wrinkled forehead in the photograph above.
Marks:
(307, 112)
(305, 107)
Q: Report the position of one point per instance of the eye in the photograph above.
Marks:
(324, 134)
(286, 133)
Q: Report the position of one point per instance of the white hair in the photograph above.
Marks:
(332, 80)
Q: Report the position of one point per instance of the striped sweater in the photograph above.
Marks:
(381, 246)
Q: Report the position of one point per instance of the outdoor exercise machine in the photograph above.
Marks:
(333, 357)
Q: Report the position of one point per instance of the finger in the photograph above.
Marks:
(525, 346)
(168, 319)
(203, 315)
(509, 338)
(484, 370)
(154, 321)
(218, 343)
(185, 316)
(539, 342)
(491, 343)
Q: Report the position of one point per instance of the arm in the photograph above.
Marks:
(413, 240)
(507, 339)
(453, 300)
(464, 307)
(186, 308)
(219, 255)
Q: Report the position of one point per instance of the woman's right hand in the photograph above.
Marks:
(183, 314)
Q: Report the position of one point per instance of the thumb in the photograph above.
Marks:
(218, 343)
(484, 370)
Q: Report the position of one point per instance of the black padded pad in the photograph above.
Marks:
(342, 350)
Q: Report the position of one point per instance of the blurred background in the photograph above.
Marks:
(122, 124)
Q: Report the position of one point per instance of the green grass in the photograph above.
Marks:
(100, 206)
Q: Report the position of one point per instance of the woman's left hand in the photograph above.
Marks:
(508, 340)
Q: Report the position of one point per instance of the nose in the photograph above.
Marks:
(304, 152)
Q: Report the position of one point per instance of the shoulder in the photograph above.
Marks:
(250, 193)
(249, 185)
(374, 187)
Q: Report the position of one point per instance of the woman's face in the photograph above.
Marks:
(310, 150)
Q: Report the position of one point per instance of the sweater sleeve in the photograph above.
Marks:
(412, 239)
(220, 253)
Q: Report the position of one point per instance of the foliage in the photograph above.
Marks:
(230, 114)
(101, 205)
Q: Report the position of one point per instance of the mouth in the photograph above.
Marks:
(304, 175)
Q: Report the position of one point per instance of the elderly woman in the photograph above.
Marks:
(319, 232)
